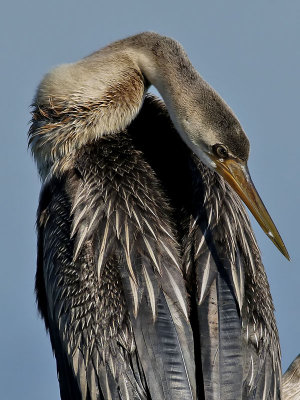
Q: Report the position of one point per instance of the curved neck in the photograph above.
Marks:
(166, 66)
(102, 93)
(161, 60)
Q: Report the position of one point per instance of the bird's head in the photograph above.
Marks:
(215, 135)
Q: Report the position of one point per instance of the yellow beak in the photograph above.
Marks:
(236, 173)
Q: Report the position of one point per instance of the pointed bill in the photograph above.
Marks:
(236, 173)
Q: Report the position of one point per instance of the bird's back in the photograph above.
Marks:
(109, 280)
(149, 277)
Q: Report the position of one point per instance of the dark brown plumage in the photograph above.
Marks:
(149, 277)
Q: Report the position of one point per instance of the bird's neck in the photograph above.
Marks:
(102, 93)
(166, 66)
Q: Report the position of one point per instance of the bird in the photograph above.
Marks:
(149, 278)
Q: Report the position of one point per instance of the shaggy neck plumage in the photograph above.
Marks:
(102, 93)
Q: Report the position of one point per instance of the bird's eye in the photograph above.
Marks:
(220, 151)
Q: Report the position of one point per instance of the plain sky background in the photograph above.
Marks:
(247, 50)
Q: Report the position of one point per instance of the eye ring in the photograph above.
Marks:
(220, 151)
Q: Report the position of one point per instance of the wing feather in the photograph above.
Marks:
(238, 339)
(115, 295)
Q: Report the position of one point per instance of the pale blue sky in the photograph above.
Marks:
(247, 50)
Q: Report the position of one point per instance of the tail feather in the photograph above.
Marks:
(164, 343)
